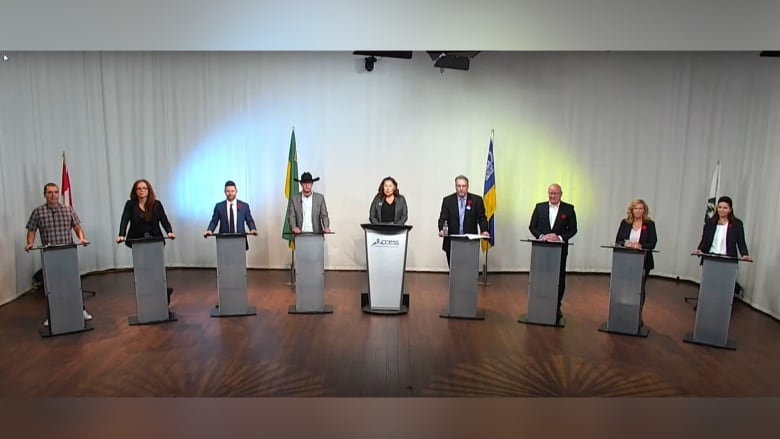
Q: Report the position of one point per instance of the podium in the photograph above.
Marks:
(543, 284)
(386, 246)
(716, 295)
(231, 276)
(62, 287)
(151, 284)
(464, 276)
(310, 275)
(625, 292)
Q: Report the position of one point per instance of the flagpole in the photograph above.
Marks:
(714, 194)
(484, 282)
(70, 196)
(291, 282)
(292, 270)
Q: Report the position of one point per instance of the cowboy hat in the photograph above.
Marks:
(306, 178)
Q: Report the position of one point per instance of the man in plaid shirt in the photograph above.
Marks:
(54, 222)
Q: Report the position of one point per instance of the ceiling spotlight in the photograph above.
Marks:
(369, 63)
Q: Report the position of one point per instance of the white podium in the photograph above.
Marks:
(386, 246)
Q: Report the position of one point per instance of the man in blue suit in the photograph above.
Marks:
(231, 214)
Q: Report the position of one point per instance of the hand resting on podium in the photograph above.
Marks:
(551, 237)
(468, 235)
(745, 258)
(634, 245)
(297, 230)
(208, 233)
(121, 239)
(82, 241)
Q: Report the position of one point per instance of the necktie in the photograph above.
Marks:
(461, 214)
(231, 220)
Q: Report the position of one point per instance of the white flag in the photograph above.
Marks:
(714, 193)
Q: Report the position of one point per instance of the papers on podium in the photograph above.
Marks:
(470, 236)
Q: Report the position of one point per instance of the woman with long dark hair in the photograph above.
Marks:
(388, 206)
(144, 213)
(724, 234)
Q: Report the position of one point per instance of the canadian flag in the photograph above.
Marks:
(67, 197)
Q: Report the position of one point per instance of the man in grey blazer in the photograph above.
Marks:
(307, 211)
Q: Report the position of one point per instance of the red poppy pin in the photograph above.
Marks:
(563, 216)
(468, 202)
(644, 227)
(731, 225)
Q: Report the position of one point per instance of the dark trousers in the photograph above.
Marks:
(562, 280)
(642, 295)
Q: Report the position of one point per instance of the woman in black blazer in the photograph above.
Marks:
(388, 206)
(144, 213)
(724, 233)
(637, 231)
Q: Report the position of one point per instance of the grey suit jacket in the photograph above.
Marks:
(319, 212)
(375, 210)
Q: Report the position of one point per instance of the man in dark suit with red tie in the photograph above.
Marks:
(231, 214)
(555, 220)
(463, 213)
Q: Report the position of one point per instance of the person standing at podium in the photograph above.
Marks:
(461, 213)
(388, 206)
(144, 213)
(308, 211)
(724, 234)
(55, 222)
(554, 220)
(637, 231)
(232, 215)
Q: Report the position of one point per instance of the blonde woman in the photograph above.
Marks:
(637, 231)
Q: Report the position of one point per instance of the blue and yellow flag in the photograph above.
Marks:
(290, 188)
(490, 197)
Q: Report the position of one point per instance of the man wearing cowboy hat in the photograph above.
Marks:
(307, 211)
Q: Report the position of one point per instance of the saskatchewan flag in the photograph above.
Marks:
(489, 197)
(290, 188)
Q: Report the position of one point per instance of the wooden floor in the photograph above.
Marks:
(349, 353)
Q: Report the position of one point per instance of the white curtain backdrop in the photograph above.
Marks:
(609, 127)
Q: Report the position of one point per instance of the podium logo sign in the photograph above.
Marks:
(386, 243)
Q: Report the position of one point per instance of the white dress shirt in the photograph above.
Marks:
(634, 236)
(306, 225)
(553, 214)
(719, 240)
